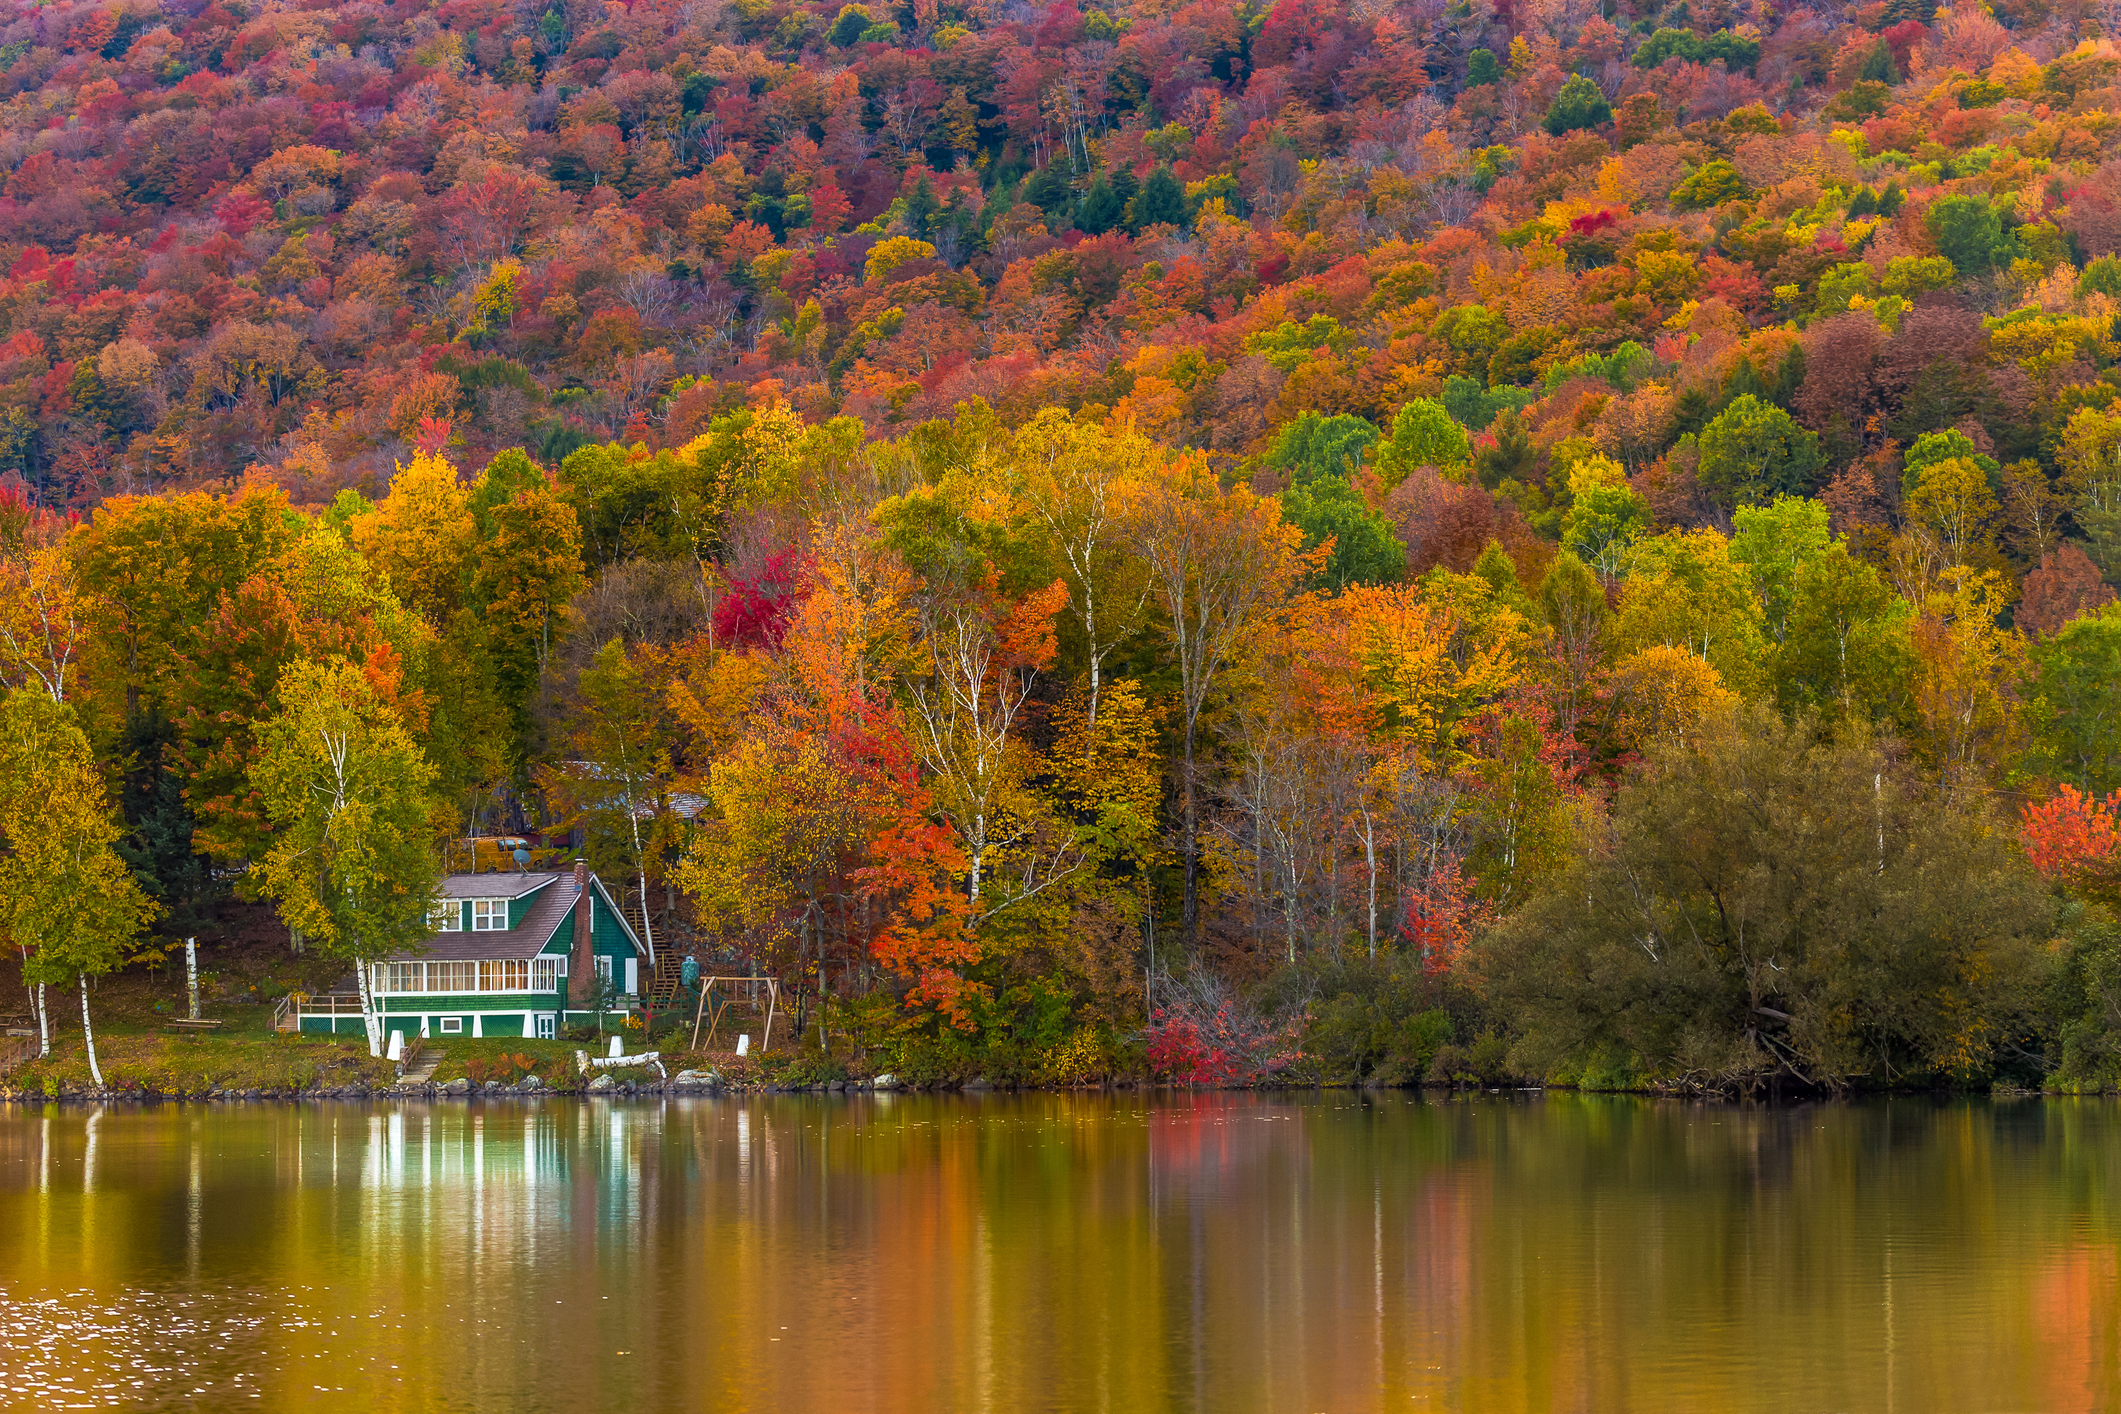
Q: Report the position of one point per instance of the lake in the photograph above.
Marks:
(1319, 1252)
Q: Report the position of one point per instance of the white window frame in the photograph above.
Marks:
(449, 916)
(452, 1026)
(484, 912)
(495, 977)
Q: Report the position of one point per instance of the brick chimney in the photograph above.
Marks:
(581, 963)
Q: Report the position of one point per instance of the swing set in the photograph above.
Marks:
(713, 1019)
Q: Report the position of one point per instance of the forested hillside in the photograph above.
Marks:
(1360, 539)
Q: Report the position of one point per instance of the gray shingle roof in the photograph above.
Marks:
(507, 884)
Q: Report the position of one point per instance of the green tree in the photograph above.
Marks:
(1605, 517)
(1764, 906)
(1423, 434)
(2074, 706)
(1365, 548)
(1969, 233)
(1844, 650)
(616, 789)
(1160, 202)
(352, 867)
(1580, 104)
(1754, 451)
(1315, 445)
(1101, 209)
(66, 898)
(1774, 542)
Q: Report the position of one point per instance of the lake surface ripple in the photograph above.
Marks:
(1319, 1252)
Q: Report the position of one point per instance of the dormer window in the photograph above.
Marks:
(489, 915)
(448, 917)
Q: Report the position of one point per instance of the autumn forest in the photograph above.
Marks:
(1391, 540)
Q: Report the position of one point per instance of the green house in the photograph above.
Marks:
(508, 957)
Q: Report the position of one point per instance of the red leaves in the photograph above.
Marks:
(2072, 834)
(753, 612)
(1223, 1043)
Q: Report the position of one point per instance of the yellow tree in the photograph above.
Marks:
(976, 658)
(1075, 479)
(422, 537)
(352, 866)
(1685, 591)
(71, 905)
(1216, 560)
(42, 624)
(1967, 669)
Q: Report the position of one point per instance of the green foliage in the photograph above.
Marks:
(1482, 67)
(1624, 367)
(1765, 905)
(1160, 202)
(1581, 104)
(1711, 184)
(1423, 434)
(1775, 542)
(1738, 53)
(1314, 445)
(2076, 703)
(2101, 276)
(1969, 232)
(1911, 275)
(1101, 209)
(1288, 345)
(1473, 405)
(1365, 549)
(1754, 451)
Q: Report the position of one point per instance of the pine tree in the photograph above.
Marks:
(1160, 202)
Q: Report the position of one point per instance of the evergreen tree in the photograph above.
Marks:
(157, 843)
(1160, 202)
(1048, 190)
(1101, 209)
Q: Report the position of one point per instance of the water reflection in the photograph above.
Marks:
(1338, 1252)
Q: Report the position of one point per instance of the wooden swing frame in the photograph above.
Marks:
(713, 1020)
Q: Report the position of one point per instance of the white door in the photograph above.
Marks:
(633, 976)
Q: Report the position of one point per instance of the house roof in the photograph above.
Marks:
(548, 906)
(504, 884)
(548, 909)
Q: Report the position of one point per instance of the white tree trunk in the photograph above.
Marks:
(44, 1022)
(88, 1034)
(370, 1022)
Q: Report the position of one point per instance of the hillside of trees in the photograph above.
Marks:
(1224, 540)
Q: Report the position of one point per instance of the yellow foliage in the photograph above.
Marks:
(421, 537)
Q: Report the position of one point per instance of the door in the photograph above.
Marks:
(633, 976)
(545, 1026)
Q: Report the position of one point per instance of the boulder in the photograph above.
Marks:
(531, 1082)
(601, 1085)
(458, 1086)
(886, 1081)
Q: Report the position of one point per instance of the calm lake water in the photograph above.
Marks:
(1320, 1253)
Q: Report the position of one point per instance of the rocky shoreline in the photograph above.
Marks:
(603, 1086)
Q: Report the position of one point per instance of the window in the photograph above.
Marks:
(507, 975)
(489, 915)
(452, 1025)
(545, 973)
(448, 916)
(603, 968)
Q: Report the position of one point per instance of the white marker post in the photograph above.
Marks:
(191, 974)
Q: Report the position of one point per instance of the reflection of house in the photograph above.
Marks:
(507, 958)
